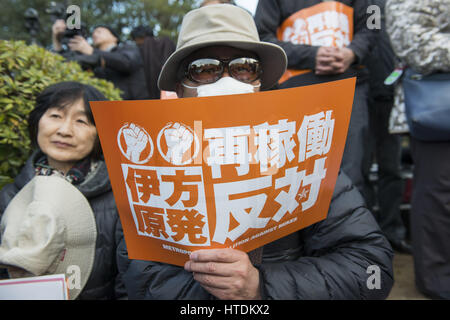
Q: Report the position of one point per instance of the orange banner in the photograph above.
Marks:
(233, 171)
(328, 24)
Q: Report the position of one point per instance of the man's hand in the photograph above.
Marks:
(346, 58)
(78, 43)
(225, 273)
(325, 57)
(331, 60)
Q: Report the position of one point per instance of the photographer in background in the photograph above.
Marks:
(120, 63)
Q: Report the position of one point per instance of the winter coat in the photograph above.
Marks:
(155, 51)
(381, 60)
(270, 14)
(104, 281)
(421, 40)
(332, 259)
(124, 68)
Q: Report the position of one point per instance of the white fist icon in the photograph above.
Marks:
(136, 140)
(179, 140)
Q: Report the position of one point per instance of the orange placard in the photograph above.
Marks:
(233, 171)
(327, 24)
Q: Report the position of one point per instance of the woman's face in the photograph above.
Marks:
(65, 135)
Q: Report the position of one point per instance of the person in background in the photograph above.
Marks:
(67, 145)
(120, 63)
(315, 60)
(420, 36)
(327, 260)
(154, 52)
(384, 148)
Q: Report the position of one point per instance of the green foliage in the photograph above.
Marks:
(12, 20)
(164, 16)
(24, 72)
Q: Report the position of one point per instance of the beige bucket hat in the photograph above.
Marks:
(49, 228)
(222, 24)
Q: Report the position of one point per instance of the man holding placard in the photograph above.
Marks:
(219, 53)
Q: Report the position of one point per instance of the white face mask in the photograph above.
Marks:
(224, 86)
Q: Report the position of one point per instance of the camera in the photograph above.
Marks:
(58, 11)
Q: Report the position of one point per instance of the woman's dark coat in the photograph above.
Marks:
(104, 281)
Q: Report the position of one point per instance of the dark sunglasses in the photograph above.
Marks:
(209, 70)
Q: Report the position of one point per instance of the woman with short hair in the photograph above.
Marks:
(63, 131)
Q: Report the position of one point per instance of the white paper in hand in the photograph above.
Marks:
(52, 287)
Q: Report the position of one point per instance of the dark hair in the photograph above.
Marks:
(60, 95)
(141, 32)
(110, 29)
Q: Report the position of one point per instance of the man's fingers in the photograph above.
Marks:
(322, 68)
(225, 273)
(338, 54)
(337, 65)
(325, 60)
(74, 41)
(210, 282)
(331, 68)
(216, 255)
(214, 268)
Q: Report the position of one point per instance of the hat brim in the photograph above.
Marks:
(272, 57)
(80, 231)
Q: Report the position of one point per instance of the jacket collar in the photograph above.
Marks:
(95, 183)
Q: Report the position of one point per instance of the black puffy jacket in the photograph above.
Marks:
(328, 260)
(381, 60)
(104, 281)
(124, 68)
